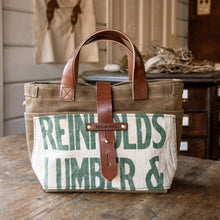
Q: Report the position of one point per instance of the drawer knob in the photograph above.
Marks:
(185, 121)
(184, 146)
(218, 92)
(185, 94)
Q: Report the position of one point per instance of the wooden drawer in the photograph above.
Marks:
(194, 98)
(197, 125)
(215, 152)
(193, 147)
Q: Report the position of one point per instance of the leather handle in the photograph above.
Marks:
(137, 72)
(116, 40)
(70, 76)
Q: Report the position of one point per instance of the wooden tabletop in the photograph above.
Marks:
(195, 193)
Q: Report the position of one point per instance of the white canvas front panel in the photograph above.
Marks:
(66, 156)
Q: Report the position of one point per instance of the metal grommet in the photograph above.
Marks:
(107, 141)
(89, 127)
(123, 126)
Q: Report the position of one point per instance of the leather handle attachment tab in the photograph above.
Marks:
(136, 67)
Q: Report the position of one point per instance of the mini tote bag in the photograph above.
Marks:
(110, 138)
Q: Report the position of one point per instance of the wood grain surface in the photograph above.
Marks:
(195, 193)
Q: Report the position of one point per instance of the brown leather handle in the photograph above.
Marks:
(137, 72)
(68, 70)
(106, 37)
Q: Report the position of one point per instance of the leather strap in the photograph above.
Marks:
(136, 67)
(106, 126)
(114, 39)
(106, 137)
(70, 73)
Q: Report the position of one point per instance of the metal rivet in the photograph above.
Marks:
(89, 127)
(107, 141)
(123, 126)
(24, 103)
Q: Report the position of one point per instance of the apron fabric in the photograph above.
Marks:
(56, 44)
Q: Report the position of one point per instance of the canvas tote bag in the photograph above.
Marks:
(120, 138)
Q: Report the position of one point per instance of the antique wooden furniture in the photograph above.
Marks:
(203, 34)
(201, 124)
(195, 193)
(201, 103)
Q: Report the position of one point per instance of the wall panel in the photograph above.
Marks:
(181, 42)
(14, 126)
(115, 14)
(94, 66)
(156, 21)
(182, 28)
(18, 28)
(100, 11)
(182, 11)
(148, 22)
(14, 97)
(21, 5)
(131, 19)
(144, 26)
(181, 24)
(20, 66)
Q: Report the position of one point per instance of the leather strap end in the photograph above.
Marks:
(108, 155)
(140, 92)
(67, 94)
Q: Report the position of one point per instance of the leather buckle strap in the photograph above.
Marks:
(106, 137)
